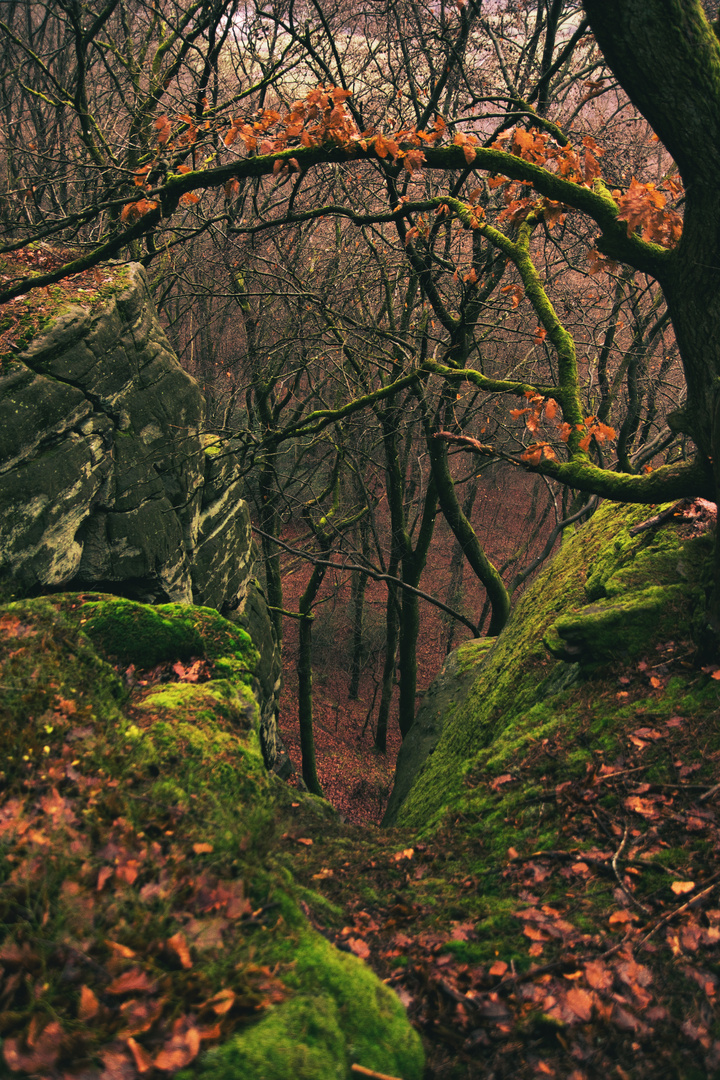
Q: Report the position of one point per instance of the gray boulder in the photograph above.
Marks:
(109, 482)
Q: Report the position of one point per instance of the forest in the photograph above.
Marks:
(448, 278)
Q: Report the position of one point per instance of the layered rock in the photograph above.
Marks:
(571, 627)
(108, 481)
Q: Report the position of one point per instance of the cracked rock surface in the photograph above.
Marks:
(105, 481)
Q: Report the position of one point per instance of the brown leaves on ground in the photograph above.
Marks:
(112, 945)
(617, 925)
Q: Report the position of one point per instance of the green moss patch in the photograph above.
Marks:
(144, 635)
(339, 1015)
(642, 587)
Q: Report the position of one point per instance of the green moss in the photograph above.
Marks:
(139, 634)
(177, 768)
(44, 663)
(642, 587)
(220, 698)
(33, 315)
(339, 1015)
(622, 626)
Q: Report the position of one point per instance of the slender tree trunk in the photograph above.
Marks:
(358, 587)
(407, 659)
(457, 566)
(270, 524)
(392, 625)
(304, 674)
(465, 535)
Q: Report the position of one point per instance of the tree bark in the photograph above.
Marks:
(304, 673)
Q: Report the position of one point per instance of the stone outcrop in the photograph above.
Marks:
(109, 482)
(606, 599)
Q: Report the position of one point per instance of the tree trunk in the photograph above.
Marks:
(666, 57)
(465, 535)
(455, 593)
(304, 674)
(392, 624)
(359, 584)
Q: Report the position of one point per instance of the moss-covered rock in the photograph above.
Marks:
(604, 597)
(141, 832)
(145, 635)
(109, 480)
(339, 1015)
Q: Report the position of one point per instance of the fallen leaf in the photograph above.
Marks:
(105, 873)
(118, 1065)
(139, 1016)
(682, 887)
(41, 1055)
(359, 947)
(180, 1049)
(206, 933)
(580, 1001)
(407, 853)
(178, 945)
(599, 975)
(135, 981)
(89, 1004)
(222, 1002)
(499, 968)
(120, 950)
(621, 917)
(143, 1061)
(202, 849)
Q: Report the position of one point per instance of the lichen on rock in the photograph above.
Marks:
(109, 481)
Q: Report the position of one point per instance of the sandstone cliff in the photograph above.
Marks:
(108, 480)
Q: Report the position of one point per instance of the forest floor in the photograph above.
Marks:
(598, 958)
(594, 957)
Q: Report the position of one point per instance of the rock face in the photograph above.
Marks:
(107, 480)
(606, 599)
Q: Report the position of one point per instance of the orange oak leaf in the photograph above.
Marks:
(359, 947)
(143, 1061)
(41, 1055)
(181, 1048)
(135, 981)
(178, 945)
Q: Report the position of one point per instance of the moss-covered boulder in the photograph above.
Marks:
(109, 479)
(149, 919)
(608, 594)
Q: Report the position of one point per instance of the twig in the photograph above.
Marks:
(679, 910)
(578, 855)
(658, 519)
(360, 1070)
(708, 794)
(374, 574)
(557, 965)
(616, 856)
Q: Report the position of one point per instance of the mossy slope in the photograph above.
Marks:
(141, 839)
(604, 599)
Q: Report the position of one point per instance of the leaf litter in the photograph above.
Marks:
(596, 956)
